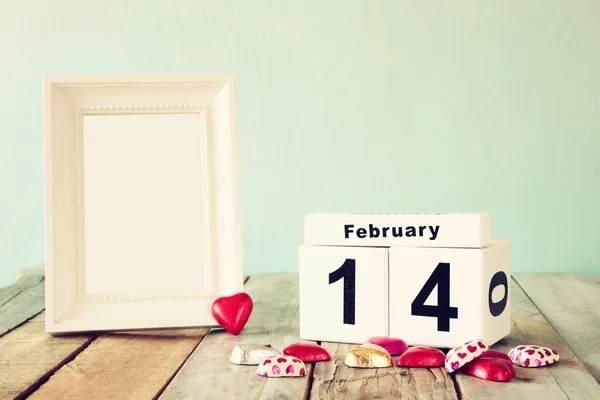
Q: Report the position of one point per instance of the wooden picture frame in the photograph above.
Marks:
(142, 204)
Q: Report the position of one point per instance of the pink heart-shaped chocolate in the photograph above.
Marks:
(394, 346)
(421, 357)
(232, 312)
(490, 369)
(307, 352)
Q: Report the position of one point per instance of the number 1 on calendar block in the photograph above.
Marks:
(347, 272)
(343, 293)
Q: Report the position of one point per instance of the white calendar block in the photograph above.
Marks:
(443, 297)
(343, 293)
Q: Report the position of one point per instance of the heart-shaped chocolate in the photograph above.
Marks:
(232, 312)
(461, 355)
(533, 356)
(495, 354)
(307, 352)
(279, 367)
(394, 346)
(368, 356)
(421, 357)
(490, 369)
(252, 354)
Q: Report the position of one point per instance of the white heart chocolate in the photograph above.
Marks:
(252, 354)
(460, 355)
(531, 356)
(281, 367)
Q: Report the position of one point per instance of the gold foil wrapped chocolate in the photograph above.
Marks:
(368, 356)
(252, 353)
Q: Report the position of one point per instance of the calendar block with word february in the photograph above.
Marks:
(343, 293)
(398, 229)
(438, 295)
(442, 297)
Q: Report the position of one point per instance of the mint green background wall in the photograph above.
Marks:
(343, 106)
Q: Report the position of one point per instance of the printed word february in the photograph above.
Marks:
(392, 231)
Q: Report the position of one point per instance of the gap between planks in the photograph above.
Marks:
(566, 379)
(208, 373)
(570, 304)
(160, 392)
(54, 376)
(20, 302)
(29, 356)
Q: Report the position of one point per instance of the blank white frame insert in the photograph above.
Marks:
(143, 225)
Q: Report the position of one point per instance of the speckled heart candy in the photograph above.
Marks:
(530, 356)
(460, 355)
(421, 357)
(281, 366)
(394, 346)
(232, 312)
(307, 352)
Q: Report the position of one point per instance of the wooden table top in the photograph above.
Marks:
(561, 311)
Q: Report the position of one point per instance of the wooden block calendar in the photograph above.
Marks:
(434, 280)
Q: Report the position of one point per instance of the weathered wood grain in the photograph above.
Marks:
(28, 356)
(571, 303)
(335, 380)
(567, 379)
(208, 373)
(9, 292)
(123, 366)
(21, 301)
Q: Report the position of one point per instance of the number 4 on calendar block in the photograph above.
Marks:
(343, 293)
(442, 297)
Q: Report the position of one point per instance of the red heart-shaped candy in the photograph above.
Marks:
(232, 312)
(307, 352)
(490, 369)
(495, 354)
(421, 357)
(394, 346)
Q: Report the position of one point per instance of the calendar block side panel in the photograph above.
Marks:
(343, 293)
(496, 292)
(435, 295)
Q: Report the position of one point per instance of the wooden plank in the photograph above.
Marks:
(28, 356)
(22, 301)
(570, 302)
(125, 365)
(9, 292)
(208, 373)
(568, 379)
(334, 380)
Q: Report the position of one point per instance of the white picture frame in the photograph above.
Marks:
(142, 201)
